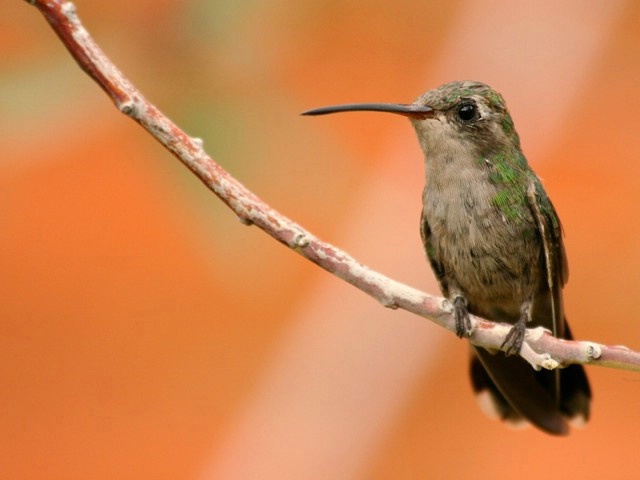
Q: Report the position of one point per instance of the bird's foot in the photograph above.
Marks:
(461, 314)
(514, 339)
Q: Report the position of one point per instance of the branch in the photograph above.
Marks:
(540, 348)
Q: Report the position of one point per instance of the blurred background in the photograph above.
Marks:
(146, 334)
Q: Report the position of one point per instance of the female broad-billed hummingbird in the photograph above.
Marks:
(494, 242)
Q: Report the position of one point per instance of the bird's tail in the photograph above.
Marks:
(509, 389)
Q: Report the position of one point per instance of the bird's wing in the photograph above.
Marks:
(555, 259)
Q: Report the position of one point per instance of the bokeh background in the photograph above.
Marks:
(146, 334)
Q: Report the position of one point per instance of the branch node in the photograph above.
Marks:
(594, 351)
(130, 109)
(549, 363)
(300, 241)
(245, 221)
(446, 307)
(537, 360)
(68, 9)
(198, 142)
(389, 303)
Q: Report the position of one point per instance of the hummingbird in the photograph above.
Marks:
(494, 242)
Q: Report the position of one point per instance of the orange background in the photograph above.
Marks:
(145, 333)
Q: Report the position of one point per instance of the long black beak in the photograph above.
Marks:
(411, 111)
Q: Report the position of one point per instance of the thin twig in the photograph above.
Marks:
(540, 349)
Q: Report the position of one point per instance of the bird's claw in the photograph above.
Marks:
(514, 339)
(461, 314)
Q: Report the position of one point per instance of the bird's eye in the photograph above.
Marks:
(467, 112)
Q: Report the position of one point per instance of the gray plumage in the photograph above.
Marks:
(494, 242)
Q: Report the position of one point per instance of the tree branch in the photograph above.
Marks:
(540, 348)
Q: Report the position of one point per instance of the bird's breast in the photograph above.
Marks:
(490, 257)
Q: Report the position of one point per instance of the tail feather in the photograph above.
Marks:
(516, 392)
(575, 395)
(520, 391)
(549, 399)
